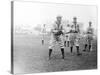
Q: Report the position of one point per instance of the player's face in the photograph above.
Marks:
(59, 19)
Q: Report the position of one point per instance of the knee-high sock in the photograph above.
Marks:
(65, 43)
(77, 47)
(42, 42)
(85, 46)
(62, 51)
(89, 47)
(50, 51)
(68, 43)
(71, 49)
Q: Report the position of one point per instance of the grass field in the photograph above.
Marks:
(30, 56)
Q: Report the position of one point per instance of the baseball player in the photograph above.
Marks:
(67, 35)
(43, 31)
(89, 37)
(72, 37)
(57, 36)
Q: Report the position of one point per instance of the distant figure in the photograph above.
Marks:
(89, 37)
(57, 36)
(67, 35)
(43, 33)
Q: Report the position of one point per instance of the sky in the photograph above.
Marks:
(34, 14)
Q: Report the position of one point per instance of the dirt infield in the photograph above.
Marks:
(30, 56)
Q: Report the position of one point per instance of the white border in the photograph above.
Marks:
(5, 27)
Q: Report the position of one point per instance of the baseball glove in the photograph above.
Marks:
(58, 33)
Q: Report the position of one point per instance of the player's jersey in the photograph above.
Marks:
(90, 30)
(57, 29)
(88, 37)
(67, 29)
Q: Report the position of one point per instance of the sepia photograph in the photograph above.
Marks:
(52, 37)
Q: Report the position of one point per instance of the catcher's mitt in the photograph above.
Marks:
(58, 33)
